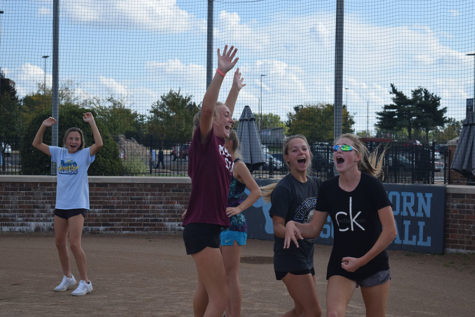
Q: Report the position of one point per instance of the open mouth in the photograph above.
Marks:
(302, 161)
(340, 160)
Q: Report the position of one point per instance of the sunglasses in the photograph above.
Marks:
(343, 148)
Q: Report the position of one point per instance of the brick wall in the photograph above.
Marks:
(117, 204)
(460, 218)
(155, 204)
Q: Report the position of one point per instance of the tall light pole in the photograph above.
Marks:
(260, 105)
(44, 79)
(473, 100)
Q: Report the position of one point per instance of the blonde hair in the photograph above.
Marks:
(266, 191)
(370, 163)
(235, 143)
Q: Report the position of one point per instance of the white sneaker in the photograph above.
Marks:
(66, 283)
(83, 288)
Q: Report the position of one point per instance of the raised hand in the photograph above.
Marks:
(227, 61)
(238, 80)
(88, 117)
(49, 122)
(292, 233)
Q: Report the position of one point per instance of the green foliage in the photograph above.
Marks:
(316, 122)
(451, 130)
(118, 119)
(415, 116)
(171, 118)
(270, 121)
(34, 162)
(135, 166)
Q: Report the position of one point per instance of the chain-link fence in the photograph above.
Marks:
(141, 67)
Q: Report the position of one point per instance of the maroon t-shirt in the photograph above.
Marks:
(210, 168)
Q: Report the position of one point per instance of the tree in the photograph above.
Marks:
(428, 114)
(33, 162)
(119, 119)
(270, 121)
(451, 130)
(171, 118)
(414, 115)
(10, 121)
(316, 122)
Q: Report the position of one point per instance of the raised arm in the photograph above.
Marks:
(38, 140)
(295, 231)
(244, 176)
(89, 118)
(225, 63)
(388, 234)
(238, 83)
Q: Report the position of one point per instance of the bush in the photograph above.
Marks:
(34, 162)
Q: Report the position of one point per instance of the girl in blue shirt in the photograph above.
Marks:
(72, 197)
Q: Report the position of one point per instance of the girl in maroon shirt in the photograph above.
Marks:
(210, 167)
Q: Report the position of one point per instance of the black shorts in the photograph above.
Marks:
(198, 236)
(68, 213)
(281, 275)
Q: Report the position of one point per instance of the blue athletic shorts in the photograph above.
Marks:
(228, 237)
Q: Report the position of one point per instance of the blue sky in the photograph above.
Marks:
(139, 50)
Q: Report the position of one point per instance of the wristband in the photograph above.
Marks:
(219, 71)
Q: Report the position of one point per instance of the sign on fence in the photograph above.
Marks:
(419, 211)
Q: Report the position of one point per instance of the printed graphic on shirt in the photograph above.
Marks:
(304, 211)
(227, 157)
(348, 220)
(68, 167)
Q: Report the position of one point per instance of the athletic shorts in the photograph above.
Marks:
(378, 278)
(281, 275)
(68, 213)
(198, 236)
(229, 236)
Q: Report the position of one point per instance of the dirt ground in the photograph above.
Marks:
(152, 276)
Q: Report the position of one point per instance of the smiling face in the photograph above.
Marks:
(222, 121)
(346, 160)
(297, 155)
(73, 141)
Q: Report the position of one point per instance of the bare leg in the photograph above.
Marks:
(375, 299)
(210, 267)
(60, 235)
(76, 225)
(339, 292)
(231, 258)
(303, 290)
(200, 300)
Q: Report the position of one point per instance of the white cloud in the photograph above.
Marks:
(44, 11)
(161, 15)
(114, 86)
(28, 77)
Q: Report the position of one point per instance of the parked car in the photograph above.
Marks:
(399, 161)
(272, 161)
(180, 151)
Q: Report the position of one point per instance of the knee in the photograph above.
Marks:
(60, 244)
(75, 246)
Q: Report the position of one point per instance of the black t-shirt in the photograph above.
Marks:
(356, 223)
(293, 200)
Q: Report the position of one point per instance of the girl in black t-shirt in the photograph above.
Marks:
(294, 199)
(364, 226)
